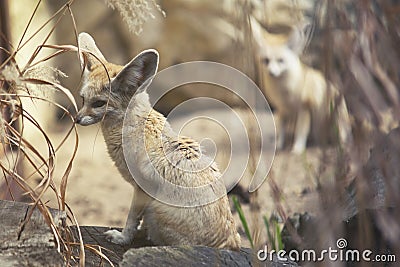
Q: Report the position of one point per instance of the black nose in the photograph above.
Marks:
(78, 119)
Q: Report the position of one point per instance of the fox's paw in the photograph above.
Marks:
(118, 237)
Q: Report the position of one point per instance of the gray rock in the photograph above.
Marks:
(193, 256)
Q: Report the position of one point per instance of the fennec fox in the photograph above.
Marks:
(299, 94)
(211, 224)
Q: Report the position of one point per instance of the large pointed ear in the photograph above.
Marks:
(137, 74)
(86, 42)
(258, 32)
(299, 37)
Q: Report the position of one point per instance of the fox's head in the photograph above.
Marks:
(278, 53)
(107, 88)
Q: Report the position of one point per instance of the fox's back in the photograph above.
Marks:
(179, 161)
(183, 164)
(317, 90)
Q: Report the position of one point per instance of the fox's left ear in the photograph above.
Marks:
(137, 74)
(300, 37)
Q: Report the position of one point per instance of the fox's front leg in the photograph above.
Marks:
(302, 129)
(280, 130)
(139, 202)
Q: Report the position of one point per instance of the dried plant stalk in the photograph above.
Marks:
(135, 12)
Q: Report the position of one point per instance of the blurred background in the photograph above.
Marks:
(312, 199)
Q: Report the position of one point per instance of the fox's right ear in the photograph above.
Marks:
(137, 74)
(86, 42)
(299, 37)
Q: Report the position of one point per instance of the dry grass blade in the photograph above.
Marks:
(28, 24)
(50, 160)
(81, 244)
(29, 39)
(75, 29)
(64, 180)
(48, 163)
(18, 179)
(42, 164)
(97, 250)
(55, 85)
(62, 9)
(50, 169)
(39, 48)
(37, 167)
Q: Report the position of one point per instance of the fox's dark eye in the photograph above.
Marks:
(98, 103)
(265, 61)
(280, 60)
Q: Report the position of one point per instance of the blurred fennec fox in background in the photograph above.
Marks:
(299, 93)
(209, 225)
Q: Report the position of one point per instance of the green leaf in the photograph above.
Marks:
(243, 220)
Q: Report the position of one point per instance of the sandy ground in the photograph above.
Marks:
(99, 196)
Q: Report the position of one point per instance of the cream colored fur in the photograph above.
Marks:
(298, 92)
(211, 224)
